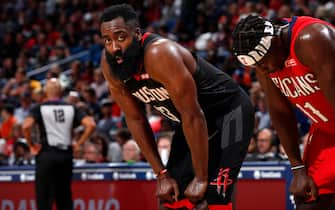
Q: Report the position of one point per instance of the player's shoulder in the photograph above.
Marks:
(161, 47)
(311, 40)
(315, 32)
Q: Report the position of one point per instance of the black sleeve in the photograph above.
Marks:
(36, 113)
(78, 116)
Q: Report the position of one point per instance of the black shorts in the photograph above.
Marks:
(229, 137)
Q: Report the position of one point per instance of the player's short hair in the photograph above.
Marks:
(252, 39)
(125, 11)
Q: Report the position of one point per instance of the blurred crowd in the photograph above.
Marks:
(34, 34)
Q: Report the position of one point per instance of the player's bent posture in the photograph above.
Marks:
(295, 65)
(214, 116)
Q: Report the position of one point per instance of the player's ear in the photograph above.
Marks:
(138, 34)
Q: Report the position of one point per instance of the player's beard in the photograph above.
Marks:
(131, 58)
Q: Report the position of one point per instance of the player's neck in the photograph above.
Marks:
(284, 35)
(285, 39)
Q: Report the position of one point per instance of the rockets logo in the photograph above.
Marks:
(222, 181)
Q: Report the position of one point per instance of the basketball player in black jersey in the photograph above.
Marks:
(214, 116)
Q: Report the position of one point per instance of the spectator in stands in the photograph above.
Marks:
(73, 97)
(119, 138)
(164, 141)
(54, 71)
(114, 152)
(41, 42)
(22, 111)
(99, 84)
(285, 11)
(265, 146)
(7, 125)
(71, 36)
(262, 116)
(87, 76)
(255, 93)
(107, 123)
(131, 152)
(3, 156)
(7, 68)
(75, 72)
(22, 61)
(42, 56)
(95, 49)
(84, 107)
(90, 98)
(38, 95)
(252, 149)
(16, 86)
(21, 155)
(122, 135)
(101, 143)
(91, 153)
(59, 52)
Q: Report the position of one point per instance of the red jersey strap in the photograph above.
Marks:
(145, 35)
(228, 206)
(184, 203)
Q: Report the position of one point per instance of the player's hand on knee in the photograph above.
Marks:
(303, 186)
(196, 190)
(167, 188)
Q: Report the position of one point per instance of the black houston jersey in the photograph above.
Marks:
(56, 119)
(216, 90)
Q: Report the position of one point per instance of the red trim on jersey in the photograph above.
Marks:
(145, 35)
(189, 205)
(229, 206)
(137, 76)
(180, 204)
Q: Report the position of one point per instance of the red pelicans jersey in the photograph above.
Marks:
(300, 85)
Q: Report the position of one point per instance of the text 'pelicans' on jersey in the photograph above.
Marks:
(297, 85)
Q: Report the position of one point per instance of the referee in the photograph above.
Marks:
(55, 119)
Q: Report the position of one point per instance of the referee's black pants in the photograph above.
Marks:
(53, 179)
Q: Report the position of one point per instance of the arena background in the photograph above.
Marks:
(60, 38)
